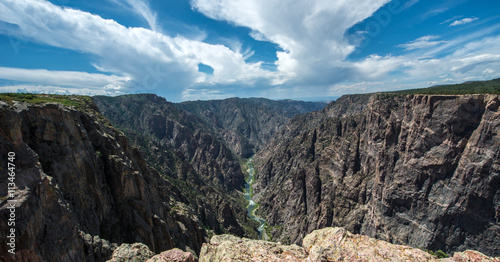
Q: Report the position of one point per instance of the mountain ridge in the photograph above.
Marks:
(247, 124)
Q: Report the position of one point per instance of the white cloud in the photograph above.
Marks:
(422, 42)
(464, 21)
(63, 78)
(258, 36)
(451, 19)
(488, 71)
(314, 56)
(476, 60)
(375, 67)
(434, 12)
(311, 33)
(354, 88)
(60, 90)
(204, 94)
(153, 61)
(410, 3)
(466, 64)
(142, 9)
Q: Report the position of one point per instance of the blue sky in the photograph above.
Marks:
(212, 49)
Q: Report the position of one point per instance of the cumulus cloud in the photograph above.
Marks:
(150, 59)
(311, 33)
(464, 21)
(422, 42)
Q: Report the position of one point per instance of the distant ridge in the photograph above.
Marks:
(470, 87)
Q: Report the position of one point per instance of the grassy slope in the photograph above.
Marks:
(67, 100)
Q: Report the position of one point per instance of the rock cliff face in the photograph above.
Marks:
(81, 189)
(183, 148)
(195, 144)
(422, 170)
(166, 129)
(418, 170)
(248, 124)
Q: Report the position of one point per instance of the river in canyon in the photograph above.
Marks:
(251, 203)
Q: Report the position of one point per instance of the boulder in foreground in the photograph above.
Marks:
(328, 244)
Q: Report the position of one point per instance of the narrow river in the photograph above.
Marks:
(251, 203)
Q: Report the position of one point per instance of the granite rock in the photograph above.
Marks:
(417, 170)
(81, 189)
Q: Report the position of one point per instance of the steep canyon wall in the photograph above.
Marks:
(422, 170)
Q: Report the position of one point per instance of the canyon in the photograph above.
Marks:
(100, 177)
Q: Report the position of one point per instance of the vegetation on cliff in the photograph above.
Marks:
(79, 102)
(473, 87)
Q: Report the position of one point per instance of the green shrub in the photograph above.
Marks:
(440, 254)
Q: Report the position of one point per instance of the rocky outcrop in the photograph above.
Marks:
(328, 244)
(173, 255)
(136, 252)
(471, 256)
(337, 244)
(247, 124)
(419, 170)
(81, 190)
(226, 248)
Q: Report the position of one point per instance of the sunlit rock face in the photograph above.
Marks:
(328, 244)
(419, 170)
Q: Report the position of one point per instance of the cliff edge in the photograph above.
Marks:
(79, 190)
